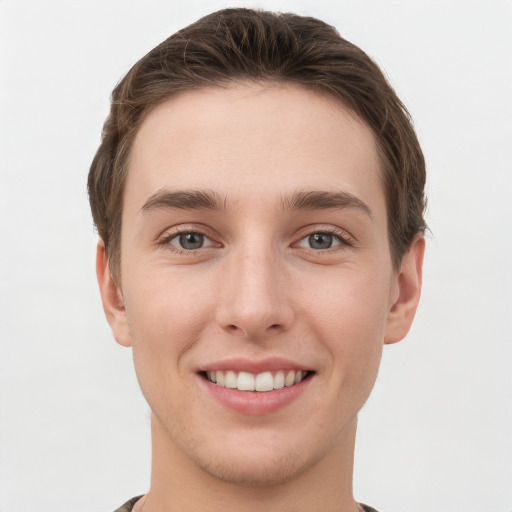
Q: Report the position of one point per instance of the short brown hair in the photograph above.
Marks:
(240, 45)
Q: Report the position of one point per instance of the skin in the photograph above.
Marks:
(256, 289)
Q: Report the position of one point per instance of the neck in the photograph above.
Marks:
(179, 484)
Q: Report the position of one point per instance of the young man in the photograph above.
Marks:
(259, 199)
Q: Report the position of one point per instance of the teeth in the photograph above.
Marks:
(289, 379)
(279, 380)
(230, 380)
(265, 381)
(245, 381)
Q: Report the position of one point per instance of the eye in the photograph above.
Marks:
(321, 241)
(190, 241)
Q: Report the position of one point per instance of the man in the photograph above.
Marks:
(259, 199)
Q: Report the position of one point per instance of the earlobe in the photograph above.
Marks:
(112, 298)
(409, 280)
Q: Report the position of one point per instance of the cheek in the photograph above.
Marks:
(165, 306)
(166, 317)
(163, 327)
(351, 319)
(352, 306)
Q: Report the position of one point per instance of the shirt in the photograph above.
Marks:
(128, 506)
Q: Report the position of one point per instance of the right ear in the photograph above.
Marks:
(112, 298)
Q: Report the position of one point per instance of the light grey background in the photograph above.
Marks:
(436, 435)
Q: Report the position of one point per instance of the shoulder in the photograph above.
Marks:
(128, 506)
(367, 508)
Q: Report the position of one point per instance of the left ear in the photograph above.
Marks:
(409, 277)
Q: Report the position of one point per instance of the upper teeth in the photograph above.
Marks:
(266, 381)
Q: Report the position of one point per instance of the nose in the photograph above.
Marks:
(255, 301)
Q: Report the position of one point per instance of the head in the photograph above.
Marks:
(259, 196)
(237, 45)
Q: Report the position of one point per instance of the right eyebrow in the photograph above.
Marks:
(184, 200)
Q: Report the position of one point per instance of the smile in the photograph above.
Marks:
(264, 381)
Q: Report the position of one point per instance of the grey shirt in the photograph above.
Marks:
(128, 506)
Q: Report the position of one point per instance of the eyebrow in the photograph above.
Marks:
(184, 200)
(209, 200)
(321, 200)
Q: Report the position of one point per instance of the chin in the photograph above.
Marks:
(263, 459)
(255, 471)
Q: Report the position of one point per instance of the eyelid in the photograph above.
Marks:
(208, 242)
(344, 237)
(171, 233)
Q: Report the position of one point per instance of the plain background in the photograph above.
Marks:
(436, 435)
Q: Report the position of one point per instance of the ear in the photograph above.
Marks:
(112, 298)
(409, 277)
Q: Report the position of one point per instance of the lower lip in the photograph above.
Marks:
(255, 403)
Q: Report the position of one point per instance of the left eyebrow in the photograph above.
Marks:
(321, 200)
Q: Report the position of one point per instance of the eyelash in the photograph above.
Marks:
(166, 241)
(342, 236)
(344, 239)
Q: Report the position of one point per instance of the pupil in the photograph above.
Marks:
(320, 241)
(191, 241)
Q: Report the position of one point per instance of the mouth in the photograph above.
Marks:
(257, 386)
(261, 382)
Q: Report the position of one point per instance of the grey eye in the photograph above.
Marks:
(190, 241)
(320, 240)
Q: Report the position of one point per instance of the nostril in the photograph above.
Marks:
(252, 331)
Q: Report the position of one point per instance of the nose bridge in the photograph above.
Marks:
(254, 301)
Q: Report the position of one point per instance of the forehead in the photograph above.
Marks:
(251, 140)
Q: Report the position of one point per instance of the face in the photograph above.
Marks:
(256, 277)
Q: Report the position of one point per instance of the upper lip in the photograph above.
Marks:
(253, 366)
